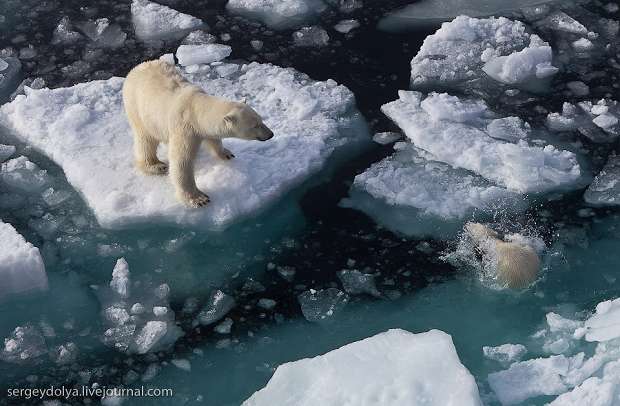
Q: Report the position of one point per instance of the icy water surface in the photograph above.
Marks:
(300, 243)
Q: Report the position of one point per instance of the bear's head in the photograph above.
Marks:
(245, 123)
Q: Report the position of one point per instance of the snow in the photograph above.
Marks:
(455, 131)
(413, 178)
(199, 54)
(21, 265)
(278, 14)
(395, 367)
(83, 128)
(430, 12)
(154, 21)
(465, 48)
(605, 189)
(604, 325)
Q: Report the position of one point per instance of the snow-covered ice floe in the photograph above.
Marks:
(579, 379)
(84, 129)
(430, 12)
(21, 265)
(466, 134)
(395, 367)
(464, 160)
(278, 14)
(468, 49)
(154, 21)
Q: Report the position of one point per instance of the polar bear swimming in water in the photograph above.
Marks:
(163, 107)
(517, 264)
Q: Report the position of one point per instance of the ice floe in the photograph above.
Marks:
(83, 128)
(395, 367)
(278, 14)
(587, 377)
(455, 131)
(599, 122)
(21, 266)
(468, 49)
(154, 21)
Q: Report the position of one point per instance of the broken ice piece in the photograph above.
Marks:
(322, 304)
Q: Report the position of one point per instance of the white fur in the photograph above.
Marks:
(517, 264)
(164, 107)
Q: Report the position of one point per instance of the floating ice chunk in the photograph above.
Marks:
(582, 45)
(6, 151)
(64, 353)
(395, 367)
(346, 26)
(536, 377)
(278, 14)
(431, 12)
(599, 122)
(103, 34)
(23, 345)
(510, 129)
(266, 304)
(224, 327)
(9, 76)
(154, 21)
(455, 131)
(150, 335)
(386, 138)
(323, 304)
(64, 34)
(311, 37)
(412, 178)
(578, 88)
(199, 37)
(74, 125)
(561, 21)
(199, 54)
(21, 265)
(120, 278)
(604, 325)
(218, 305)
(23, 175)
(181, 363)
(523, 67)
(505, 353)
(355, 282)
(460, 49)
(605, 189)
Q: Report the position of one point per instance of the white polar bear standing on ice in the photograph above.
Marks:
(164, 107)
(517, 264)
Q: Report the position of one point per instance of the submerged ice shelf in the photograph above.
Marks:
(395, 367)
(83, 128)
(21, 265)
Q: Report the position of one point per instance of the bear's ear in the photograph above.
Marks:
(230, 119)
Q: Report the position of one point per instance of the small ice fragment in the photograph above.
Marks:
(323, 304)
(218, 304)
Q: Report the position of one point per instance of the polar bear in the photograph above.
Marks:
(162, 106)
(517, 264)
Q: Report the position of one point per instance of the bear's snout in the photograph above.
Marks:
(267, 135)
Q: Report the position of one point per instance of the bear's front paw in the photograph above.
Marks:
(196, 200)
(226, 154)
(158, 169)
